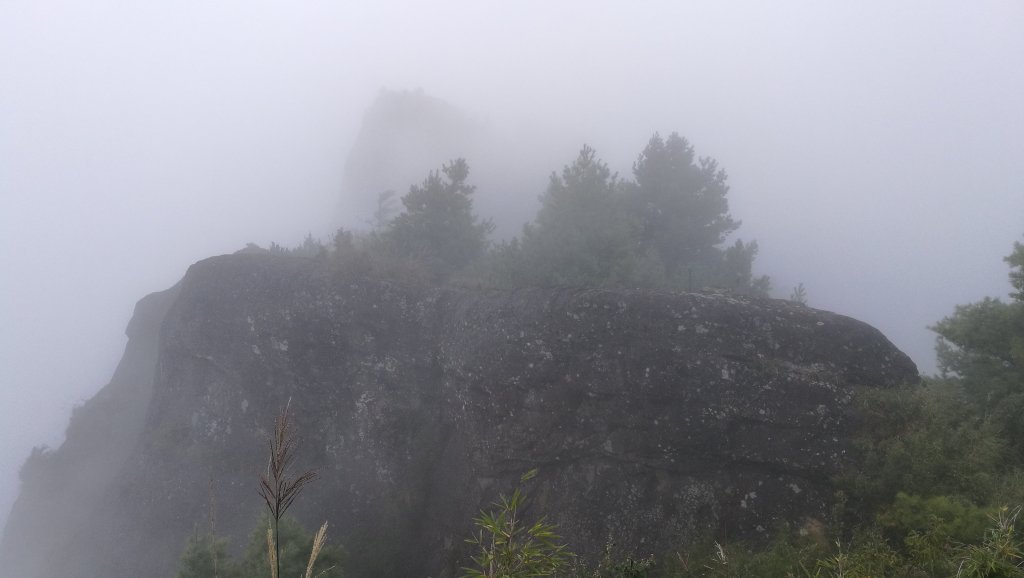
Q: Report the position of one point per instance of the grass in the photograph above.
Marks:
(279, 489)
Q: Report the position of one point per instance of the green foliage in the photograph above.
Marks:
(1000, 555)
(926, 441)
(681, 201)
(295, 543)
(581, 235)
(610, 567)
(783, 558)
(311, 248)
(511, 548)
(869, 556)
(438, 227)
(385, 210)
(205, 557)
(665, 229)
(1016, 261)
(736, 270)
(982, 346)
(1009, 489)
(682, 206)
(955, 518)
(799, 295)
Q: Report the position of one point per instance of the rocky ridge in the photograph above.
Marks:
(653, 417)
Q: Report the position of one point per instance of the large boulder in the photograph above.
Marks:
(653, 418)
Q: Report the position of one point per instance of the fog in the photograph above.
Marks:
(875, 150)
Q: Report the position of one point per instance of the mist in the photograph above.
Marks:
(873, 150)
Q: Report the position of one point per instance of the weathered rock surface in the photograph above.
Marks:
(652, 417)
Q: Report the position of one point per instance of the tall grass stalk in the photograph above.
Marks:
(318, 543)
(275, 566)
(278, 487)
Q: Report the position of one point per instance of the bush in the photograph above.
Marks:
(512, 548)
(204, 557)
(950, 517)
(296, 543)
(925, 441)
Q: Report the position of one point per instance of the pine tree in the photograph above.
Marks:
(982, 344)
(438, 227)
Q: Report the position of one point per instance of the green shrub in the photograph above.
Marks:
(205, 557)
(1001, 553)
(609, 567)
(783, 558)
(508, 547)
(926, 441)
(296, 543)
(948, 516)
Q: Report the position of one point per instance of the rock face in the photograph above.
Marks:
(652, 417)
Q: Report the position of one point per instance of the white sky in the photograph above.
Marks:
(875, 149)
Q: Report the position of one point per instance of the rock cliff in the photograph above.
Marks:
(653, 418)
